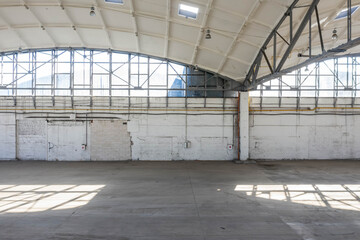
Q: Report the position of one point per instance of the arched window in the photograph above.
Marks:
(87, 72)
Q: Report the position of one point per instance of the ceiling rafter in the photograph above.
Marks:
(168, 24)
(202, 30)
(135, 25)
(141, 14)
(39, 22)
(98, 10)
(14, 30)
(236, 37)
(72, 22)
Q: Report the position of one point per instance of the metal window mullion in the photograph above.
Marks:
(91, 77)
(298, 86)
(138, 73)
(336, 81)
(148, 79)
(317, 84)
(15, 75)
(347, 72)
(223, 91)
(354, 73)
(53, 59)
(280, 91)
(167, 83)
(186, 87)
(261, 95)
(110, 77)
(205, 91)
(72, 75)
(34, 81)
(129, 81)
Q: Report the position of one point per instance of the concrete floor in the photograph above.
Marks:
(180, 200)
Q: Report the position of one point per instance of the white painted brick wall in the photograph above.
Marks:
(163, 137)
(305, 137)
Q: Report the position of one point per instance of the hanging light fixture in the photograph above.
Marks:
(334, 36)
(92, 12)
(306, 69)
(208, 34)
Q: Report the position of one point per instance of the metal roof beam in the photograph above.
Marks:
(40, 23)
(105, 28)
(324, 56)
(71, 21)
(236, 37)
(168, 23)
(135, 25)
(9, 27)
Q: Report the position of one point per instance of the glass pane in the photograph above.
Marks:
(62, 81)
(101, 81)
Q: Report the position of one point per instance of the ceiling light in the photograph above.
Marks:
(92, 12)
(196, 69)
(208, 34)
(306, 69)
(334, 36)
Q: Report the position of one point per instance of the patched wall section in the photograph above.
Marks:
(7, 137)
(32, 139)
(110, 140)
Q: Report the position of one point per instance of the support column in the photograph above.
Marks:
(244, 126)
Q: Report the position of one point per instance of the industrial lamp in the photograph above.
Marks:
(92, 12)
(334, 36)
(208, 34)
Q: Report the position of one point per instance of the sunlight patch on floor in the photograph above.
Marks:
(40, 198)
(338, 196)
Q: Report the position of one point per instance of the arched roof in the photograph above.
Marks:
(238, 28)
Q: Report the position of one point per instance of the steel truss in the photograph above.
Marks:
(94, 72)
(276, 67)
(334, 78)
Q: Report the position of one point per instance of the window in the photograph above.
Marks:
(188, 11)
(344, 13)
(86, 72)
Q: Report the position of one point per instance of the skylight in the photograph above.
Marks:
(188, 11)
(115, 1)
(344, 13)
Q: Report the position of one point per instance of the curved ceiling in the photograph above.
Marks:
(152, 27)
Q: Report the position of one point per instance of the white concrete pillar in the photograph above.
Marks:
(244, 126)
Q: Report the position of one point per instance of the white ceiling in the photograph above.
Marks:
(153, 27)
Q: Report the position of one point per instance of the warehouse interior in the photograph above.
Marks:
(179, 119)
